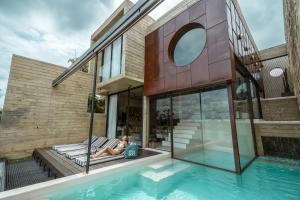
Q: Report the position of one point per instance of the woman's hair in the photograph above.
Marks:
(126, 138)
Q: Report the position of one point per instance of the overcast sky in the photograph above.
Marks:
(56, 30)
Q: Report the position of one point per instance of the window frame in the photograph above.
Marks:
(111, 59)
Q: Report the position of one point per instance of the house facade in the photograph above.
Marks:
(190, 83)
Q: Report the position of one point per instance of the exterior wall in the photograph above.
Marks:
(134, 48)
(280, 109)
(212, 66)
(37, 115)
(292, 28)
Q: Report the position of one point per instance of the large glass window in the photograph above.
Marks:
(125, 115)
(202, 128)
(112, 60)
(106, 65)
(116, 57)
(242, 104)
(189, 46)
(160, 132)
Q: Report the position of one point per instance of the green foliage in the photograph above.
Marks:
(99, 104)
(84, 68)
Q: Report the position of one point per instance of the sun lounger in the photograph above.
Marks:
(78, 153)
(78, 147)
(62, 146)
(82, 160)
(130, 152)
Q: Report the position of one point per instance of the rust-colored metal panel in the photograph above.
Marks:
(218, 33)
(213, 65)
(182, 19)
(169, 27)
(183, 80)
(220, 71)
(215, 12)
(199, 70)
(218, 52)
(197, 10)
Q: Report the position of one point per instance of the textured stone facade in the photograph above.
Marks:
(37, 115)
(292, 28)
(280, 129)
(280, 109)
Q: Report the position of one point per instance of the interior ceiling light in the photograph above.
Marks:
(276, 72)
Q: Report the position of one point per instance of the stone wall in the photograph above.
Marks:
(292, 29)
(280, 109)
(37, 115)
(134, 48)
(279, 129)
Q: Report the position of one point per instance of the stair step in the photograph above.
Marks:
(180, 127)
(194, 124)
(161, 164)
(183, 135)
(158, 176)
(176, 144)
(181, 140)
(182, 131)
(191, 121)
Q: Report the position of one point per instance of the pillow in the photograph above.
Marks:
(132, 151)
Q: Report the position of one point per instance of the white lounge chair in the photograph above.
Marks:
(62, 146)
(75, 147)
(82, 153)
(78, 153)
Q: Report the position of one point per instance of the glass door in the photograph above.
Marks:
(160, 129)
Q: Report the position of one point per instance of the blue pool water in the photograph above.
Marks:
(266, 179)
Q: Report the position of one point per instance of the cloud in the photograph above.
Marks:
(56, 30)
(265, 20)
(49, 30)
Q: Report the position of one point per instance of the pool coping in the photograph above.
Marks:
(35, 191)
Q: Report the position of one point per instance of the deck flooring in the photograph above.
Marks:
(60, 166)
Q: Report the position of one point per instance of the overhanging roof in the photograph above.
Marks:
(134, 15)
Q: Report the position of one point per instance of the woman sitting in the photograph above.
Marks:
(116, 151)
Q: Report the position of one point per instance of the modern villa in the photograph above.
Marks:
(190, 89)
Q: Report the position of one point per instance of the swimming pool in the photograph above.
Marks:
(267, 178)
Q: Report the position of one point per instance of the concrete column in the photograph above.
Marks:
(146, 120)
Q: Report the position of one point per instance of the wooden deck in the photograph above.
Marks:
(60, 166)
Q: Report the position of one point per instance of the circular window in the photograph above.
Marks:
(188, 45)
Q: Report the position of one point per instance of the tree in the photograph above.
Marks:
(84, 68)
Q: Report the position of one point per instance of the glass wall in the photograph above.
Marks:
(199, 123)
(125, 115)
(243, 109)
(135, 116)
(112, 60)
(160, 131)
(202, 128)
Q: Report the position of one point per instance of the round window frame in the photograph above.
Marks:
(178, 35)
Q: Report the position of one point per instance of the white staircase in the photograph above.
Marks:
(184, 134)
